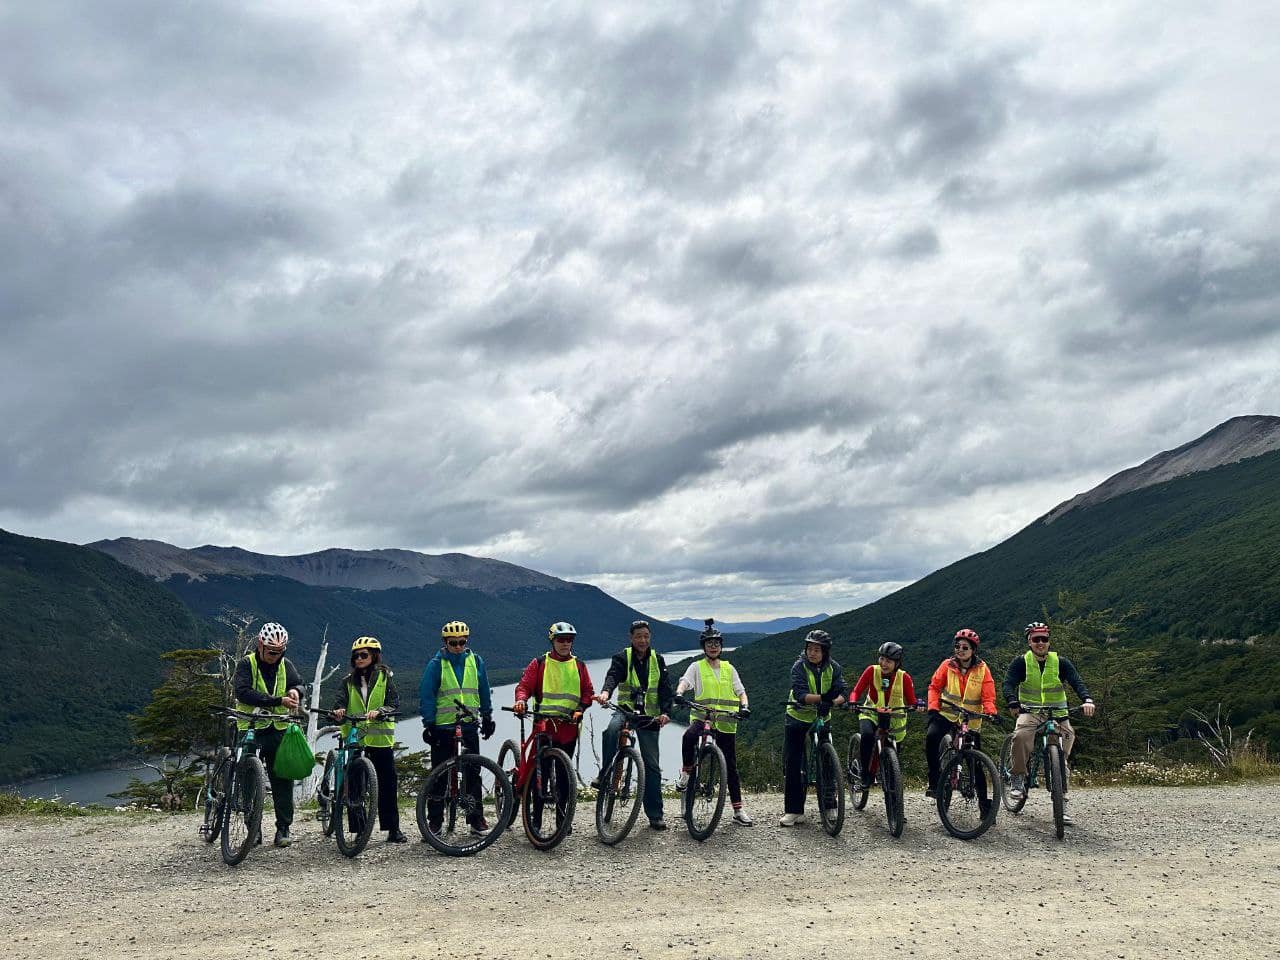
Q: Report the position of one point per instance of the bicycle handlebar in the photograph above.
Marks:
(351, 717)
(711, 712)
(539, 715)
(256, 714)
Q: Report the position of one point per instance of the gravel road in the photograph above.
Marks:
(1145, 873)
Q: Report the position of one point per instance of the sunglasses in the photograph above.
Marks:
(637, 624)
(455, 644)
(361, 655)
(564, 639)
(963, 646)
(1039, 639)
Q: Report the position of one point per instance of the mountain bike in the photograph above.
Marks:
(621, 792)
(543, 776)
(709, 780)
(348, 794)
(468, 784)
(235, 790)
(885, 768)
(1047, 756)
(822, 771)
(965, 775)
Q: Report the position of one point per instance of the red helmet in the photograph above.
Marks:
(969, 636)
(1036, 629)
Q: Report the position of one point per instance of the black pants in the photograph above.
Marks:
(795, 775)
(445, 747)
(268, 742)
(939, 726)
(727, 742)
(867, 746)
(384, 764)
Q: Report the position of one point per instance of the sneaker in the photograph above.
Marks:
(658, 824)
(396, 836)
(479, 827)
(790, 819)
(1067, 819)
(742, 817)
(1018, 787)
(595, 784)
(282, 837)
(257, 839)
(930, 793)
(684, 779)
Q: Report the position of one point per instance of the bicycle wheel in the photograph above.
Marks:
(962, 783)
(704, 796)
(211, 796)
(551, 783)
(509, 761)
(324, 794)
(891, 783)
(1055, 780)
(476, 798)
(830, 789)
(357, 808)
(242, 818)
(620, 796)
(853, 772)
(1006, 778)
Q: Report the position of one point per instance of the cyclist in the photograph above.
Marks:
(368, 689)
(1034, 681)
(267, 680)
(817, 685)
(883, 684)
(715, 684)
(962, 680)
(455, 673)
(560, 683)
(639, 674)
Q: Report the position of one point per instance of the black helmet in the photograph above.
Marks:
(892, 650)
(820, 637)
(710, 633)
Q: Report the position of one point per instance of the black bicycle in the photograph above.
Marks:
(821, 766)
(885, 767)
(1048, 757)
(543, 777)
(465, 803)
(968, 789)
(709, 780)
(235, 788)
(348, 794)
(621, 792)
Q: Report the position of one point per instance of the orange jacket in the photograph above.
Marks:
(939, 683)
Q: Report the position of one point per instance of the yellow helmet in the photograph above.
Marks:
(455, 628)
(365, 643)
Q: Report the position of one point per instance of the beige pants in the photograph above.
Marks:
(1024, 741)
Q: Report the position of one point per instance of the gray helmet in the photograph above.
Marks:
(892, 650)
(820, 637)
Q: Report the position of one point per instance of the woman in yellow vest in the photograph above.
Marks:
(883, 684)
(962, 680)
(817, 685)
(369, 690)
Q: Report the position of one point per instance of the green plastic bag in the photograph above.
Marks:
(294, 759)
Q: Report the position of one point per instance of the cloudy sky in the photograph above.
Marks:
(737, 308)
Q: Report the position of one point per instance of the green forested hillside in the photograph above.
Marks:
(1196, 555)
(80, 638)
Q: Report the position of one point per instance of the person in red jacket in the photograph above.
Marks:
(874, 688)
(962, 680)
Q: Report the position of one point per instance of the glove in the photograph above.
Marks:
(744, 712)
(824, 709)
(487, 727)
(829, 696)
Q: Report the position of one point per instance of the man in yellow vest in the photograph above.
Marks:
(1035, 681)
(639, 674)
(455, 673)
(266, 680)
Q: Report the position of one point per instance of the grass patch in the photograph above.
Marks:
(13, 804)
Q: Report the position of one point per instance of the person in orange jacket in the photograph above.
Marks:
(962, 680)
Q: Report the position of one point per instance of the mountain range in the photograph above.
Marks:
(762, 627)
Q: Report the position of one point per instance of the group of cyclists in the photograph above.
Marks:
(559, 687)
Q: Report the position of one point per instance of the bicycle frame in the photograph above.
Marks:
(1046, 734)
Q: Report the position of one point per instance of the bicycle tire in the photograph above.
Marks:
(243, 801)
(830, 783)
(1056, 781)
(561, 771)
(853, 772)
(704, 796)
(324, 794)
(495, 789)
(211, 826)
(1006, 778)
(958, 784)
(360, 809)
(620, 796)
(891, 783)
(509, 761)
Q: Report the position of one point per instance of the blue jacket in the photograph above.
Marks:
(431, 683)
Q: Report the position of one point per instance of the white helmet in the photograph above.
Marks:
(273, 636)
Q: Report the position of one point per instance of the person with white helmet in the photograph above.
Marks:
(369, 691)
(266, 680)
(817, 685)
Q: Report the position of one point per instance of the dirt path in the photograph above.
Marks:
(1146, 873)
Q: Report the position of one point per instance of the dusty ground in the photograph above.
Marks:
(1145, 873)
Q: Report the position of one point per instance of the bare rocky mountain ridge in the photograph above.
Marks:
(1229, 442)
(358, 569)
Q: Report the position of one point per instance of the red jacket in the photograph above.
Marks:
(868, 677)
(530, 688)
(939, 683)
